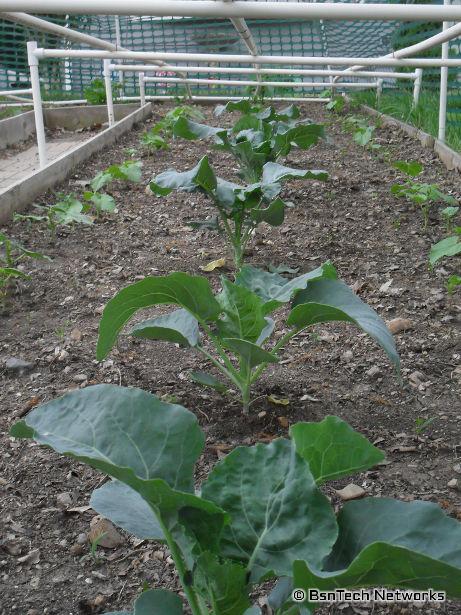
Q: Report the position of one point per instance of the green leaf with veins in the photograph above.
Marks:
(450, 246)
(201, 176)
(131, 170)
(385, 542)
(193, 293)
(333, 449)
(207, 380)
(242, 312)
(331, 300)
(274, 214)
(274, 173)
(226, 581)
(158, 602)
(188, 129)
(274, 289)
(179, 327)
(127, 509)
(251, 354)
(277, 513)
(412, 169)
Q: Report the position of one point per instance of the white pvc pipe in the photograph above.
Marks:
(429, 43)
(265, 84)
(417, 87)
(247, 9)
(15, 92)
(109, 99)
(443, 86)
(37, 98)
(142, 89)
(242, 59)
(118, 42)
(263, 71)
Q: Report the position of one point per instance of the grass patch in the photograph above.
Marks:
(425, 116)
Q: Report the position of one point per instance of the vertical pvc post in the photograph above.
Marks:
(417, 86)
(443, 86)
(118, 42)
(379, 88)
(37, 98)
(109, 99)
(142, 89)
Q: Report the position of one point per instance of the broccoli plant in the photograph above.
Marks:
(157, 137)
(130, 171)
(66, 212)
(256, 138)
(424, 195)
(237, 321)
(259, 516)
(153, 142)
(12, 254)
(362, 132)
(239, 208)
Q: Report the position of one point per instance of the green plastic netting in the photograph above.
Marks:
(68, 79)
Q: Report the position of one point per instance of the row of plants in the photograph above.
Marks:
(261, 515)
(422, 194)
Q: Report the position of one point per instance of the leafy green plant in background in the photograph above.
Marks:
(260, 514)
(336, 103)
(12, 254)
(153, 141)
(95, 93)
(257, 137)
(158, 136)
(424, 195)
(448, 215)
(237, 321)
(66, 212)
(450, 246)
(362, 132)
(239, 208)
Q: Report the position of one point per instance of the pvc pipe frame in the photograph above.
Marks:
(15, 93)
(443, 86)
(37, 98)
(287, 84)
(262, 71)
(246, 9)
(243, 59)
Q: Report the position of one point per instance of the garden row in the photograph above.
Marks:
(242, 531)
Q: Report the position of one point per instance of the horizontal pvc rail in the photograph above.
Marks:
(243, 59)
(264, 84)
(83, 101)
(15, 92)
(246, 9)
(433, 41)
(135, 68)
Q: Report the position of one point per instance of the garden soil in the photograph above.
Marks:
(379, 247)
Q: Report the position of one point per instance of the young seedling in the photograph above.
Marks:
(153, 141)
(259, 516)
(421, 424)
(448, 216)
(362, 132)
(239, 208)
(66, 212)
(130, 171)
(158, 136)
(256, 138)
(424, 195)
(12, 254)
(238, 321)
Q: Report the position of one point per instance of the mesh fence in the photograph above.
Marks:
(69, 78)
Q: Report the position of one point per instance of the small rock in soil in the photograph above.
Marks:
(397, 325)
(351, 492)
(64, 500)
(453, 483)
(104, 532)
(80, 378)
(18, 367)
